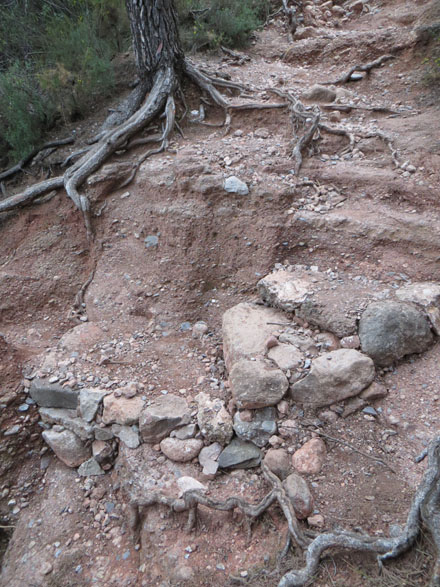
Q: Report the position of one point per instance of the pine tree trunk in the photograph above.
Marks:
(155, 37)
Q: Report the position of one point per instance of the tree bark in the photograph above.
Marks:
(155, 35)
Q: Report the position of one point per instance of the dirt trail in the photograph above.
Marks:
(364, 217)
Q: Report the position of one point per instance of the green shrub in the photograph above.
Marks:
(206, 24)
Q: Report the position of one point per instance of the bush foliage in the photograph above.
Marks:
(56, 56)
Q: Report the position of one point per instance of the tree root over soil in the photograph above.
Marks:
(160, 101)
(424, 511)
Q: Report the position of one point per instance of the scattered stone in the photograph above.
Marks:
(288, 429)
(103, 433)
(310, 458)
(208, 457)
(188, 431)
(299, 494)
(89, 402)
(334, 377)
(49, 395)
(181, 451)
(316, 521)
(129, 435)
(281, 289)
(214, 420)
(151, 240)
(261, 427)
(189, 484)
(318, 93)
(199, 329)
(46, 568)
(262, 133)
(328, 341)
(122, 410)
(12, 430)
(235, 186)
(90, 468)
(67, 446)
(374, 391)
(163, 415)
(257, 384)
(328, 416)
(391, 330)
(69, 420)
(350, 342)
(353, 405)
(427, 295)
(239, 454)
(246, 328)
(286, 356)
(278, 461)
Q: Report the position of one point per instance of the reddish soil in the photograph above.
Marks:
(369, 219)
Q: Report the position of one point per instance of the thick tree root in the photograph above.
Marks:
(425, 509)
(367, 67)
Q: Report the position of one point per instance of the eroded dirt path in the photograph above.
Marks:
(364, 217)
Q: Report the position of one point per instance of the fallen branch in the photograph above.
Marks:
(350, 107)
(367, 67)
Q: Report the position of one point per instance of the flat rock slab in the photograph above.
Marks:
(240, 454)
(286, 356)
(129, 435)
(162, 416)
(69, 420)
(334, 377)
(67, 446)
(390, 330)
(246, 328)
(257, 384)
(285, 290)
(427, 295)
(122, 410)
(90, 468)
(208, 457)
(89, 402)
(259, 428)
(52, 395)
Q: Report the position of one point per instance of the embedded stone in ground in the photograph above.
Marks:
(67, 446)
(259, 428)
(163, 415)
(334, 377)
(390, 330)
(214, 420)
(299, 494)
(310, 458)
(286, 356)
(240, 454)
(181, 451)
(279, 462)
(122, 410)
(427, 295)
(257, 384)
(53, 395)
(90, 468)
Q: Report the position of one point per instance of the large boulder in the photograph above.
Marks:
(163, 415)
(390, 330)
(246, 328)
(257, 384)
(214, 420)
(333, 377)
(68, 447)
(427, 295)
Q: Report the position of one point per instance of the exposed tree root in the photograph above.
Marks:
(367, 67)
(425, 509)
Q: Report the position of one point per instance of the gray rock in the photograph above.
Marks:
(89, 402)
(103, 433)
(318, 93)
(52, 395)
(129, 435)
(259, 429)
(334, 377)
(214, 420)
(69, 420)
(257, 384)
(299, 494)
(246, 328)
(240, 454)
(208, 457)
(285, 290)
(161, 417)
(151, 241)
(188, 431)
(286, 356)
(427, 295)
(70, 449)
(90, 468)
(236, 186)
(390, 330)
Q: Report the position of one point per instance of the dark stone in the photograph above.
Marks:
(240, 454)
(259, 429)
(52, 395)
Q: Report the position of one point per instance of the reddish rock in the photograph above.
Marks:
(299, 494)
(122, 410)
(181, 451)
(278, 461)
(310, 458)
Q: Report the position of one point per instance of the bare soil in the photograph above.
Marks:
(370, 220)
